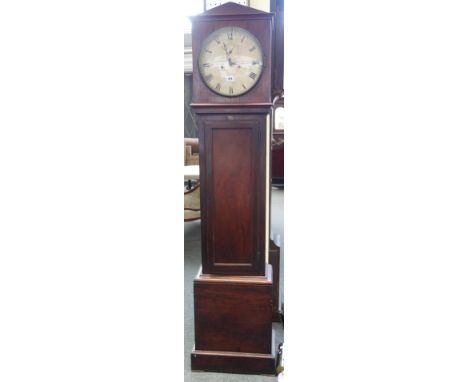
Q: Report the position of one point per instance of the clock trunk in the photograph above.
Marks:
(233, 187)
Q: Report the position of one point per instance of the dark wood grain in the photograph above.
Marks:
(233, 176)
(233, 194)
(245, 309)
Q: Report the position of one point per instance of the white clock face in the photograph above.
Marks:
(230, 61)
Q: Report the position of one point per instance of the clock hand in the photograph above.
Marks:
(225, 49)
(228, 54)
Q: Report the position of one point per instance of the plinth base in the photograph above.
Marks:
(234, 362)
(233, 330)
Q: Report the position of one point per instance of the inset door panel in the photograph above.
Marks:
(233, 194)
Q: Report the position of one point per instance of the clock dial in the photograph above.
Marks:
(230, 61)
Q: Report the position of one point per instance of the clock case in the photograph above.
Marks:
(234, 290)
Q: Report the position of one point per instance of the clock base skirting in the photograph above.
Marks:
(233, 362)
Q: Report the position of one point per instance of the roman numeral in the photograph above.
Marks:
(244, 86)
(209, 77)
(218, 86)
(231, 90)
(208, 51)
(253, 75)
(252, 49)
(217, 41)
(230, 35)
(206, 65)
(242, 39)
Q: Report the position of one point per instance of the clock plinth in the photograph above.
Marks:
(233, 328)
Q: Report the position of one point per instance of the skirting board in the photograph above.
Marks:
(234, 362)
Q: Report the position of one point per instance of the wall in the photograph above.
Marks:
(263, 5)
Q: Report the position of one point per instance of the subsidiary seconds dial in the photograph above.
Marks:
(230, 61)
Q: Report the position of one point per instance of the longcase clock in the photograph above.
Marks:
(233, 291)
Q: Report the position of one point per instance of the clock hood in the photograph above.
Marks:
(229, 9)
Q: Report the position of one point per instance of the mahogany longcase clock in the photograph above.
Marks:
(232, 47)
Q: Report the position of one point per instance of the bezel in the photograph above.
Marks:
(210, 38)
